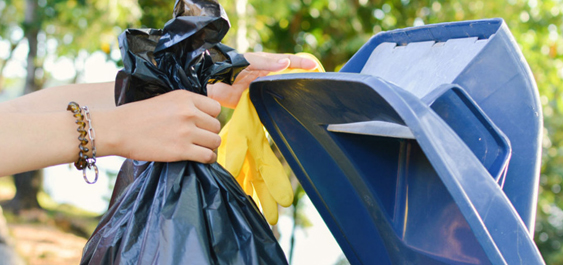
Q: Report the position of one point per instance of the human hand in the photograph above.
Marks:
(179, 125)
(261, 64)
(245, 152)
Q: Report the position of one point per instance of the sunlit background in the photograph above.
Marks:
(76, 42)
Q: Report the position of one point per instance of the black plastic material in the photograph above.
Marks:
(186, 54)
(183, 212)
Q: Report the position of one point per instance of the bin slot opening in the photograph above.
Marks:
(375, 128)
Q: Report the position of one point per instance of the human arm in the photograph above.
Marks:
(179, 125)
(36, 131)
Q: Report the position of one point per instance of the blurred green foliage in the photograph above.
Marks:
(333, 30)
(67, 27)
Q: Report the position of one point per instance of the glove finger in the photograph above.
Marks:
(267, 202)
(271, 171)
(222, 150)
(243, 179)
(256, 199)
(278, 184)
(235, 144)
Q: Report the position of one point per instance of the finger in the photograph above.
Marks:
(200, 154)
(302, 62)
(208, 123)
(229, 95)
(277, 62)
(249, 75)
(206, 139)
(207, 105)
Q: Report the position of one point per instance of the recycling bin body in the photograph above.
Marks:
(423, 150)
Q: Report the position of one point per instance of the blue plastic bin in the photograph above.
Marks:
(425, 149)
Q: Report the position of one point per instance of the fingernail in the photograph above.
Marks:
(283, 61)
(311, 65)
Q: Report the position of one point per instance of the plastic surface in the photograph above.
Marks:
(496, 77)
(183, 212)
(186, 54)
(433, 196)
(487, 142)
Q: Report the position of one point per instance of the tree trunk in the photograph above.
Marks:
(242, 44)
(31, 30)
(28, 184)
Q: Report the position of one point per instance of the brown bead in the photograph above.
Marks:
(81, 163)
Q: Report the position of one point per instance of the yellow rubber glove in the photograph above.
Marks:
(245, 152)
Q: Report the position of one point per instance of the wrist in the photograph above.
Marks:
(108, 133)
(8, 107)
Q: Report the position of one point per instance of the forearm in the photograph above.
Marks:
(33, 141)
(95, 96)
(30, 141)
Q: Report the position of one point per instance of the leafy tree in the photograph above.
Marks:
(75, 26)
(9, 17)
(155, 13)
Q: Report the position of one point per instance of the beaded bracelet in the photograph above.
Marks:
(92, 136)
(84, 162)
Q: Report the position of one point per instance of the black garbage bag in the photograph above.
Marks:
(183, 212)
